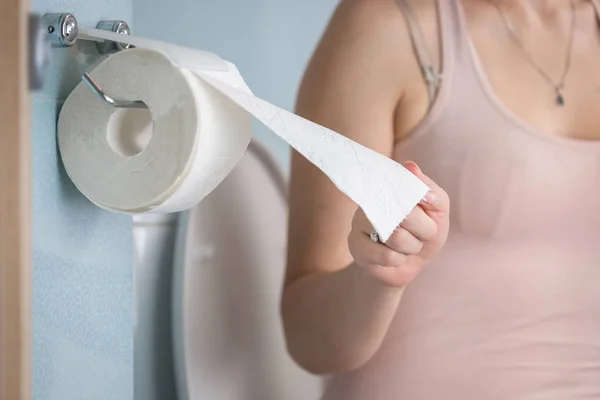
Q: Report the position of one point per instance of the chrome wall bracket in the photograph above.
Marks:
(38, 52)
(61, 28)
(108, 47)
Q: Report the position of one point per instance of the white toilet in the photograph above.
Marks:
(228, 273)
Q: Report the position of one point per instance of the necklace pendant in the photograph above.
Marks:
(560, 100)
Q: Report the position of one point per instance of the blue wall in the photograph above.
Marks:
(82, 255)
(270, 41)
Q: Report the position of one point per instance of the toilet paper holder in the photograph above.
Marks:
(62, 30)
(108, 99)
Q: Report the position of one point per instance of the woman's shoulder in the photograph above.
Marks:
(378, 32)
(390, 12)
(389, 26)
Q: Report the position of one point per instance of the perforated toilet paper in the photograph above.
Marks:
(197, 128)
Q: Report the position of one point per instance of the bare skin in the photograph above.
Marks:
(341, 290)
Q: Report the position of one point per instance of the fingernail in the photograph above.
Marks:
(415, 166)
(431, 198)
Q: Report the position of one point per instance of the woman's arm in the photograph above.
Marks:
(336, 314)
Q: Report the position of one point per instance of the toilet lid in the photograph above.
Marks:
(229, 268)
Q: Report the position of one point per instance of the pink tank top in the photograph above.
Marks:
(510, 309)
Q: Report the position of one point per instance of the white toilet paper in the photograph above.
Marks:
(201, 112)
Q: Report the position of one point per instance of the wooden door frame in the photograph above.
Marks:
(15, 203)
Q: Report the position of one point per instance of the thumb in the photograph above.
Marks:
(435, 199)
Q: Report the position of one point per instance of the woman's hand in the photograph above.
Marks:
(413, 244)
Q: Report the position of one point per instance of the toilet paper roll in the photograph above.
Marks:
(191, 137)
(201, 109)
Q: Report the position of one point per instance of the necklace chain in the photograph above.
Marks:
(558, 87)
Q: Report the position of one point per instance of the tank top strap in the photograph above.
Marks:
(455, 35)
(430, 72)
(596, 4)
(454, 40)
(451, 39)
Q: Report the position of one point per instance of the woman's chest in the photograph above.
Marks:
(506, 181)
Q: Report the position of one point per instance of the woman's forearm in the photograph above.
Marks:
(336, 321)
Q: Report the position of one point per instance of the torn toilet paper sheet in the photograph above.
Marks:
(383, 188)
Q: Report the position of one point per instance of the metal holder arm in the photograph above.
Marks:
(109, 100)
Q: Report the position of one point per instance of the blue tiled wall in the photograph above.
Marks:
(82, 255)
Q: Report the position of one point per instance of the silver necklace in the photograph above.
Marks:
(558, 87)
